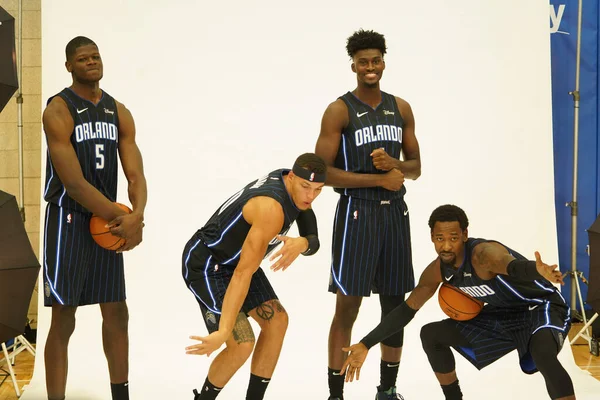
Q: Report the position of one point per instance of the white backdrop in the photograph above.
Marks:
(223, 92)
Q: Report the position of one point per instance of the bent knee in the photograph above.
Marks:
(429, 333)
(271, 316)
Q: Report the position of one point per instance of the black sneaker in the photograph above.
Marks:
(389, 394)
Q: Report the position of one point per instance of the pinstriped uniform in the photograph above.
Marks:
(371, 234)
(514, 311)
(76, 270)
(212, 254)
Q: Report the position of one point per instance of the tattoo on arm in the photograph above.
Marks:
(242, 331)
(489, 258)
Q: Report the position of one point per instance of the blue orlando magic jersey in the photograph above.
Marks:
(225, 232)
(502, 290)
(369, 129)
(95, 140)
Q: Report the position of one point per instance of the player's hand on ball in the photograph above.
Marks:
(549, 272)
(132, 242)
(291, 249)
(208, 344)
(129, 227)
(126, 225)
(354, 361)
(382, 160)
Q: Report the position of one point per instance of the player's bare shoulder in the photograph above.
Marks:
(337, 112)
(57, 118)
(56, 108)
(262, 207)
(126, 122)
(404, 107)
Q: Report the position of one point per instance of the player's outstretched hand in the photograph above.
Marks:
(549, 272)
(354, 361)
(207, 344)
(291, 249)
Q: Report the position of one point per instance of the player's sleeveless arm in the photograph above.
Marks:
(411, 166)
(494, 257)
(266, 217)
(307, 227)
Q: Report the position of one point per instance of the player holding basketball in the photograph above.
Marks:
(524, 311)
(221, 266)
(363, 134)
(86, 130)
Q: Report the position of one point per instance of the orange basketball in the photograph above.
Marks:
(457, 304)
(101, 234)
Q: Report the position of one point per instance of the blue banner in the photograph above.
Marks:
(563, 31)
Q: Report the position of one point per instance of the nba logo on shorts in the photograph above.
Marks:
(312, 176)
(47, 289)
(355, 214)
(69, 218)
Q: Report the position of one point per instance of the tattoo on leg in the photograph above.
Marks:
(265, 311)
(278, 306)
(242, 331)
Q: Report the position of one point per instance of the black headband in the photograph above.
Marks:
(310, 176)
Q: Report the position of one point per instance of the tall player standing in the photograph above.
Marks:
(86, 129)
(363, 134)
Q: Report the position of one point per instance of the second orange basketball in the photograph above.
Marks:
(101, 234)
(457, 304)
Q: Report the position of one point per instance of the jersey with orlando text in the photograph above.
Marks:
(95, 139)
(225, 232)
(369, 129)
(502, 290)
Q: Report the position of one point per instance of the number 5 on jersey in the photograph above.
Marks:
(99, 156)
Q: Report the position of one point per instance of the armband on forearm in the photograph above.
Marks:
(313, 245)
(524, 270)
(396, 320)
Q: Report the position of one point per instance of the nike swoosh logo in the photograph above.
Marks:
(393, 365)
(448, 279)
(361, 114)
(531, 308)
(80, 111)
(265, 381)
(406, 212)
(336, 373)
